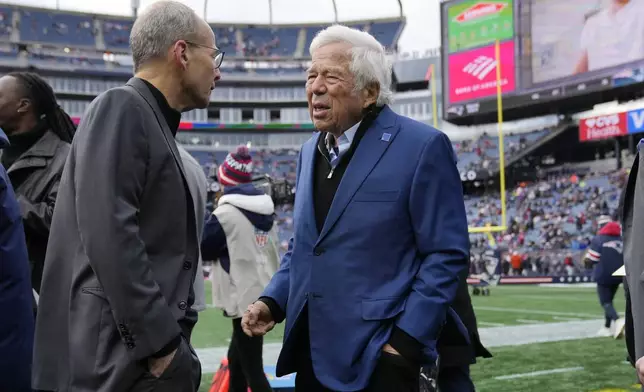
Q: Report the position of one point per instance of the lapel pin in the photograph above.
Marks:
(385, 137)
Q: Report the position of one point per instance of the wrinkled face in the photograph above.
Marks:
(12, 105)
(199, 60)
(334, 105)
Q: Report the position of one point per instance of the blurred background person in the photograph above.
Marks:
(241, 235)
(455, 357)
(605, 257)
(624, 19)
(40, 133)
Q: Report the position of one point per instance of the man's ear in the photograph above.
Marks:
(180, 53)
(24, 105)
(370, 94)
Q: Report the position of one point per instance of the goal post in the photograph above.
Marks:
(499, 107)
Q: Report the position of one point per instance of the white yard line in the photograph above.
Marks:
(540, 373)
(587, 298)
(525, 321)
(489, 324)
(566, 318)
(535, 311)
(568, 285)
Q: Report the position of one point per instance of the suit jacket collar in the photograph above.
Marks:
(377, 138)
(141, 87)
(172, 116)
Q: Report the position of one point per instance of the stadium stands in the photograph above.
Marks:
(68, 29)
(57, 28)
(481, 152)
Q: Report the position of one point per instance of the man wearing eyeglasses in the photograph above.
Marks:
(115, 311)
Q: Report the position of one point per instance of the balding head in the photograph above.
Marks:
(161, 25)
(175, 50)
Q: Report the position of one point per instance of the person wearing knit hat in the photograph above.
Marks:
(237, 168)
(240, 237)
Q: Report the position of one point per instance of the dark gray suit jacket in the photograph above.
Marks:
(632, 206)
(123, 250)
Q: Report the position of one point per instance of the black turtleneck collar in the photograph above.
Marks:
(172, 117)
(21, 142)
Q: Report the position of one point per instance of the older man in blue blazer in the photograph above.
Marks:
(380, 233)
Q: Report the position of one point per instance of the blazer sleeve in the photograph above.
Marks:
(275, 295)
(437, 212)
(111, 151)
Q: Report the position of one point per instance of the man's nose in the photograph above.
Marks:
(217, 75)
(318, 87)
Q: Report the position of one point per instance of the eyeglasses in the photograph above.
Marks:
(217, 55)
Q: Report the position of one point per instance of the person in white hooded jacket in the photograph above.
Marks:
(241, 237)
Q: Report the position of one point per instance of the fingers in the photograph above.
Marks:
(250, 322)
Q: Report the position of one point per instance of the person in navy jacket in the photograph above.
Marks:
(380, 233)
(17, 325)
(606, 255)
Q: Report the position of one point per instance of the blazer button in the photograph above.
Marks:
(131, 345)
(183, 305)
(318, 251)
(187, 265)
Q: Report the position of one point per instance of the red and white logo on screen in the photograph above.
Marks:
(480, 10)
(472, 74)
(602, 127)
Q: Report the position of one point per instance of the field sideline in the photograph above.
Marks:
(510, 320)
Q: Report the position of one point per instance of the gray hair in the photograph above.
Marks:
(369, 62)
(161, 25)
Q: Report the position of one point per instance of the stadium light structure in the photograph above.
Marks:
(335, 11)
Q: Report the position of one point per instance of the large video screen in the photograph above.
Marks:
(473, 28)
(551, 50)
(571, 38)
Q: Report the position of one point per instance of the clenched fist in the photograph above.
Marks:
(257, 320)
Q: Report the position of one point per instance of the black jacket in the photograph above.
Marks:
(35, 176)
(450, 349)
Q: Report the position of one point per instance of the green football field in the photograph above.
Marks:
(581, 365)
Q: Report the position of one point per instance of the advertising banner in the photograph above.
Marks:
(603, 127)
(475, 23)
(572, 38)
(635, 121)
(472, 74)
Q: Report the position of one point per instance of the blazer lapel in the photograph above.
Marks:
(304, 189)
(143, 90)
(628, 194)
(373, 145)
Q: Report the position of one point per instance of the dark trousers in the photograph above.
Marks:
(606, 293)
(393, 373)
(455, 379)
(245, 362)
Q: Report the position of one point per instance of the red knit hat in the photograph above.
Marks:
(237, 168)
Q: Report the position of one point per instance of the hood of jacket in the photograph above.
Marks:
(612, 229)
(257, 206)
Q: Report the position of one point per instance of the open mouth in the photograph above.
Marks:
(320, 110)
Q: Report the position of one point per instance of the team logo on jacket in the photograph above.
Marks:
(261, 238)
